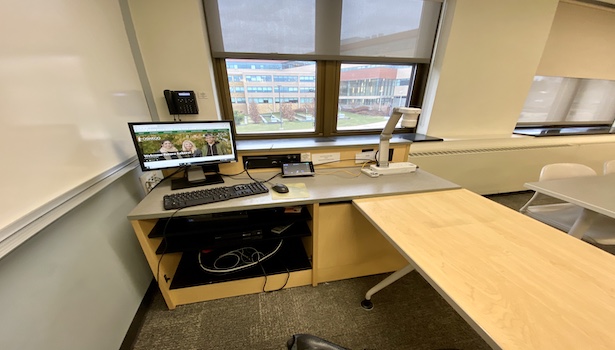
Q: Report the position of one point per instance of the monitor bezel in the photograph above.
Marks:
(200, 162)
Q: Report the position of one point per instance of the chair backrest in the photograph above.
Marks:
(565, 170)
(609, 166)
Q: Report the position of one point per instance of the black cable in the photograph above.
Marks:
(166, 244)
(273, 177)
(255, 180)
(230, 175)
(265, 275)
(247, 172)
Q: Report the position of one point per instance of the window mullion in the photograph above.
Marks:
(606, 110)
(222, 88)
(563, 101)
(327, 96)
(417, 85)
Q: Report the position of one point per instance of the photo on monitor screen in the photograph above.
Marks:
(162, 145)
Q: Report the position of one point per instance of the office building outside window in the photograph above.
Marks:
(369, 92)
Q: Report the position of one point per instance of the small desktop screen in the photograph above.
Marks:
(162, 145)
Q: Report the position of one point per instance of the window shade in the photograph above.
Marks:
(323, 29)
(580, 44)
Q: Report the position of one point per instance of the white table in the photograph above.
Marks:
(595, 194)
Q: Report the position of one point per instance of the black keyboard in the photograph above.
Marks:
(212, 195)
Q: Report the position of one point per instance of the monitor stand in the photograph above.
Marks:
(198, 175)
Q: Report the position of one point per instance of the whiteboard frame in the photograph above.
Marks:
(26, 227)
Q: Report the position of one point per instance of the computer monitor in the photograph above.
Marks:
(197, 145)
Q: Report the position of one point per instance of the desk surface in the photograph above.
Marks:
(520, 283)
(596, 193)
(334, 185)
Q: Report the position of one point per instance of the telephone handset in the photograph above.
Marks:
(181, 102)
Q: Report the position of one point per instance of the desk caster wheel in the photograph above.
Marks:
(367, 304)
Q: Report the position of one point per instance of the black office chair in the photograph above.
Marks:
(310, 342)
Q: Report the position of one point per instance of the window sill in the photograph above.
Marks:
(564, 130)
(330, 141)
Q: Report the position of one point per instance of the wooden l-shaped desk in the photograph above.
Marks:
(518, 282)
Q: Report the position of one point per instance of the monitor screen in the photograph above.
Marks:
(162, 145)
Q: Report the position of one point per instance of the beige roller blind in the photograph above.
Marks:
(323, 29)
(581, 43)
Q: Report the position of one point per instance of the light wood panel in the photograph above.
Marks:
(519, 283)
(239, 287)
(349, 246)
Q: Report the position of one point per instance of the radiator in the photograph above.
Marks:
(488, 168)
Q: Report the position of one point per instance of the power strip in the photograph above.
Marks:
(393, 168)
(370, 172)
(363, 157)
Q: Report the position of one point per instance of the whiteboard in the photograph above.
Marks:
(68, 88)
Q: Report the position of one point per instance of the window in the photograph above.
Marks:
(319, 67)
(368, 92)
(260, 89)
(281, 108)
(575, 81)
(574, 101)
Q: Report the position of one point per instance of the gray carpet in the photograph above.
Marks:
(409, 314)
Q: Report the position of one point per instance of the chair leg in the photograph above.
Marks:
(524, 208)
(582, 224)
(367, 304)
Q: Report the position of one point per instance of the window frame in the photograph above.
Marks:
(326, 96)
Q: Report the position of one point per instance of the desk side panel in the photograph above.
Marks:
(163, 267)
(240, 287)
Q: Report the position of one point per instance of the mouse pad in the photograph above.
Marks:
(298, 190)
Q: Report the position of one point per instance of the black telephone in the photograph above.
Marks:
(181, 102)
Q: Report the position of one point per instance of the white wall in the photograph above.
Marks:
(78, 283)
(175, 48)
(485, 60)
(70, 86)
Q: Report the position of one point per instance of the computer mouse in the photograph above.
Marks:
(280, 188)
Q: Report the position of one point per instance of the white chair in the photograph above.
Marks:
(560, 215)
(563, 215)
(609, 167)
